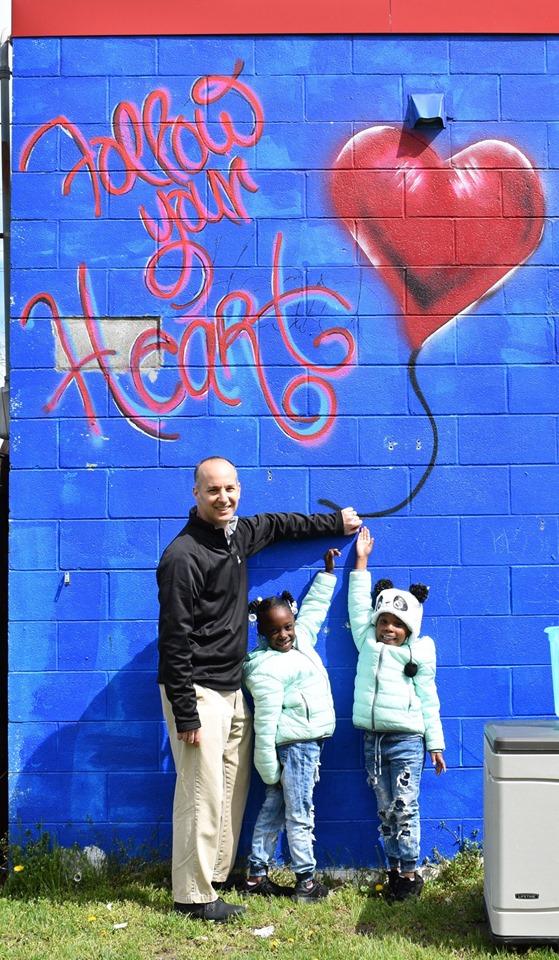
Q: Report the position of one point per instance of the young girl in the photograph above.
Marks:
(396, 703)
(293, 714)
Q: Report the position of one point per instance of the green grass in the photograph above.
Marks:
(46, 914)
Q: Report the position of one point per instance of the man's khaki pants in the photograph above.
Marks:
(210, 792)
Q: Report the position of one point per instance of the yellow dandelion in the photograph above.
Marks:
(18, 868)
(91, 918)
(378, 887)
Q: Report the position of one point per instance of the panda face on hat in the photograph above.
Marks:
(399, 603)
(402, 605)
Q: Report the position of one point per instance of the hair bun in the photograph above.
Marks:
(252, 609)
(420, 591)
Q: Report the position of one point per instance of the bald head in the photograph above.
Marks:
(208, 460)
(216, 490)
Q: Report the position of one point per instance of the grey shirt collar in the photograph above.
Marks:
(230, 528)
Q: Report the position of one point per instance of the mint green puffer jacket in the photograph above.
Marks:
(385, 699)
(291, 691)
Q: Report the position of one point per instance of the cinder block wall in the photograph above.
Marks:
(191, 275)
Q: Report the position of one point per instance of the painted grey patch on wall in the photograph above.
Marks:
(119, 335)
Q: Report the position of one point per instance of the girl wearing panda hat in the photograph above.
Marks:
(396, 704)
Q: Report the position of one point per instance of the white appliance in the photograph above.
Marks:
(521, 830)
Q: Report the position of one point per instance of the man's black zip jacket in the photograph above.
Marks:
(203, 601)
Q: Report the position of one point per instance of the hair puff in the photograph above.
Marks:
(287, 597)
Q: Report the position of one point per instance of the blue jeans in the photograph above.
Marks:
(394, 763)
(288, 805)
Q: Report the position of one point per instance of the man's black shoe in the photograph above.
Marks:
(217, 910)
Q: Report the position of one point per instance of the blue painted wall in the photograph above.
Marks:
(98, 491)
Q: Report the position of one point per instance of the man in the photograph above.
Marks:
(202, 643)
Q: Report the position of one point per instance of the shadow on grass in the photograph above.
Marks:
(449, 920)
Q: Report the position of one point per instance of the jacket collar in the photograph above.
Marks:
(208, 529)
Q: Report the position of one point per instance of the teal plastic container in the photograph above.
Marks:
(553, 634)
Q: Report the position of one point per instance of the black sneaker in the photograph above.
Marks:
(310, 890)
(391, 887)
(407, 888)
(217, 910)
(266, 888)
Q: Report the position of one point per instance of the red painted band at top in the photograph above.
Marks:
(99, 18)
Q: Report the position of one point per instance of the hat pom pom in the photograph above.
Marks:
(379, 586)
(420, 591)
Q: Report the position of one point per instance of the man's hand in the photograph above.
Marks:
(191, 737)
(329, 559)
(352, 521)
(437, 760)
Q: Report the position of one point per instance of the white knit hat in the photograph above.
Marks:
(401, 604)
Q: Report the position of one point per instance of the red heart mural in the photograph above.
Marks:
(442, 234)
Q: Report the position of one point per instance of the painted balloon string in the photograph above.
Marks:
(403, 503)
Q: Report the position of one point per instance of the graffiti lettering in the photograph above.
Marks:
(179, 149)
(218, 335)
(135, 132)
(168, 152)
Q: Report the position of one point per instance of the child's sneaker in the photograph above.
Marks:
(310, 890)
(407, 888)
(264, 887)
(392, 881)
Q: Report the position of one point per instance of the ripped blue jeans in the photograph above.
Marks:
(288, 805)
(394, 763)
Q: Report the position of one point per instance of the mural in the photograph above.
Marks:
(241, 246)
(446, 234)
(183, 207)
